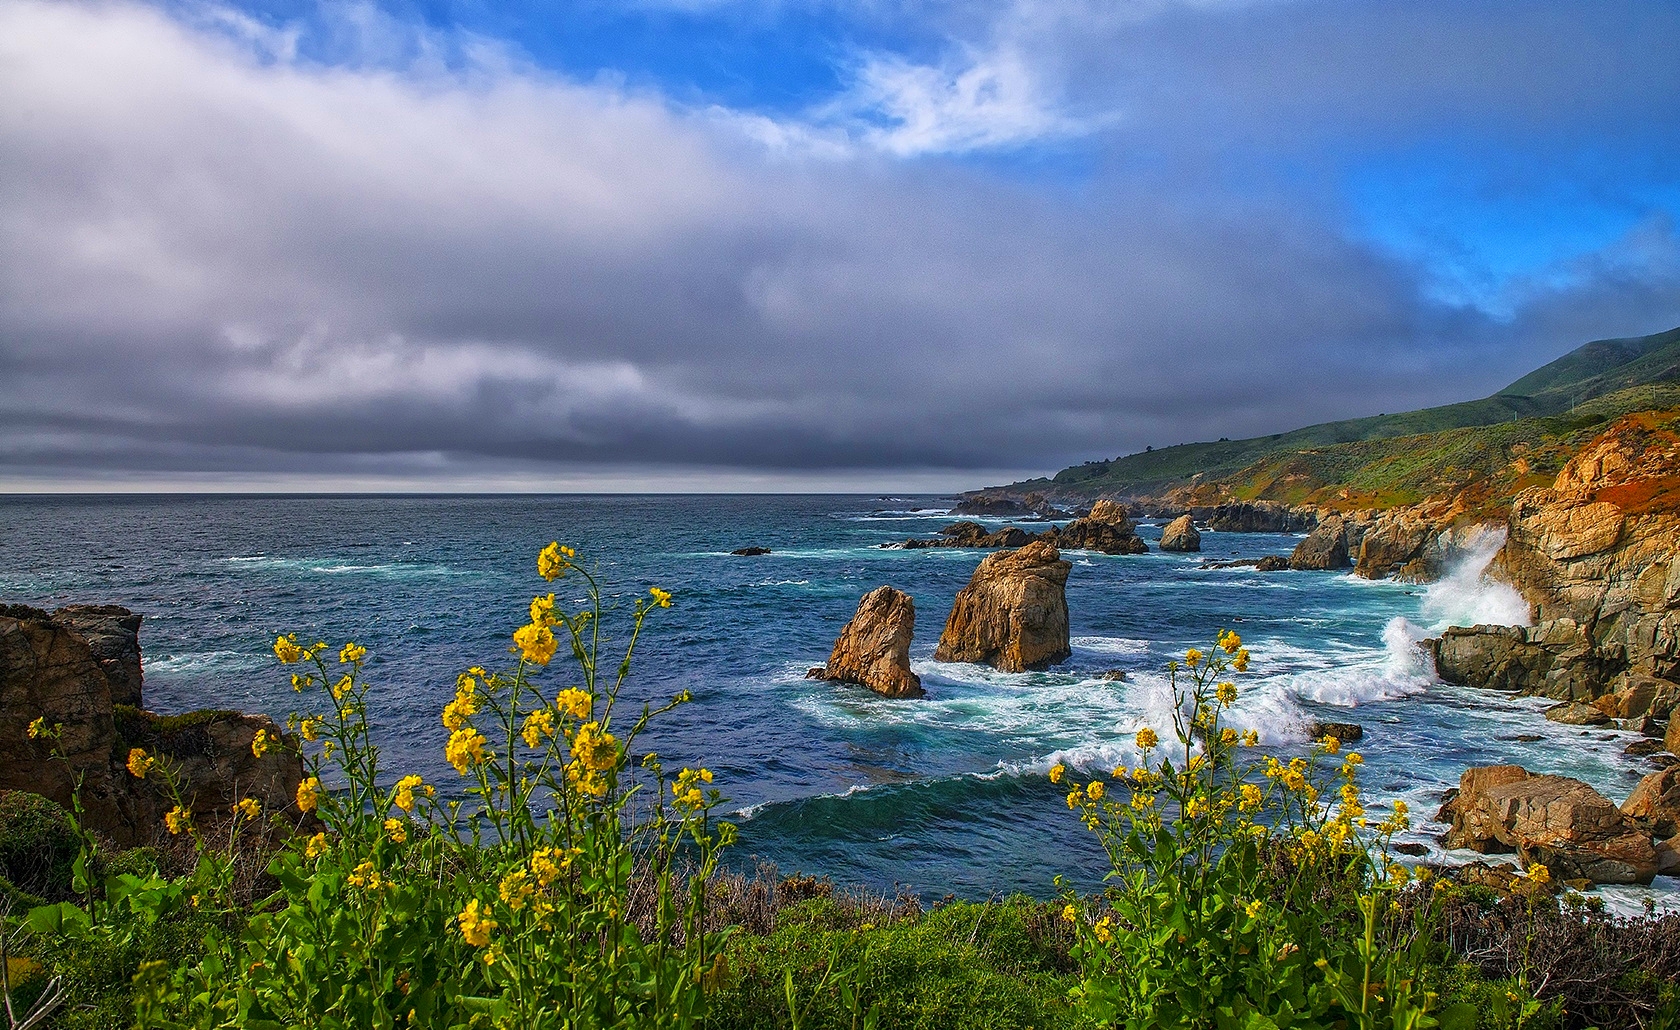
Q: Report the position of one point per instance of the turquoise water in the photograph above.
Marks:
(940, 795)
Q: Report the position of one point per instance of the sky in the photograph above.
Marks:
(801, 245)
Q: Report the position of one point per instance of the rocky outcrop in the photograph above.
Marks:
(1344, 732)
(1655, 802)
(1107, 529)
(1576, 713)
(1398, 543)
(999, 505)
(1180, 535)
(50, 670)
(1261, 517)
(1332, 544)
(1562, 823)
(750, 552)
(874, 648)
(972, 534)
(1013, 612)
(1270, 563)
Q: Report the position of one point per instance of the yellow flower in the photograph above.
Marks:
(553, 560)
(351, 652)
(456, 712)
(515, 888)
(1331, 745)
(178, 820)
(1104, 930)
(1074, 797)
(476, 924)
(287, 650)
(1353, 758)
(250, 806)
(660, 597)
(301, 682)
(310, 727)
(574, 702)
(536, 643)
(262, 743)
(342, 687)
(465, 749)
(1250, 797)
(1254, 908)
(1539, 874)
(317, 846)
(1071, 913)
(1057, 771)
(1229, 641)
(39, 729)
(1192, 658)
(309, 794)
(1240, 662)
(140, 763)
(1147, 739)
(596, 749)
(1250, 738)
(538, 724)
(397, 830)
(1094, 790)
(365, 875)
(687, 787)
(542, 611)
(404, 798)
(1227, 693)
(1227, 736)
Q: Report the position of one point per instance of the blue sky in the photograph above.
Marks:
(795, 244)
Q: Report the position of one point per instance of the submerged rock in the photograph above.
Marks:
(874, 647)
(1013, 612)
(1180, 535)
(1344, 732)
(1557, 821)
(750, 552)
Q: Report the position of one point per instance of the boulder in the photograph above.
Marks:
(1180, 535)
(1344, 732)
(1576, 713)
(1655, 802)
(1668, 857)
(1396, 544)
(1325, 548)
(1562, 823)
(1107, 529)
(1636, 696)
(1272, 563)
(1495, 657)
(1013, 612)
(874, 648)
(50, 670)
(1671, 739)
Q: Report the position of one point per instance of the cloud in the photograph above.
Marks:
(427, 260)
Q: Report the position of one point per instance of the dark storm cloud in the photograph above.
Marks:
(221, 260)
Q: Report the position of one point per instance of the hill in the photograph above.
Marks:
(1393, 456)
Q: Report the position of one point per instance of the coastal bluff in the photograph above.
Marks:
(79, 668)
(1013, 613)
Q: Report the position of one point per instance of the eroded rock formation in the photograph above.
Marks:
(874, 648)
(1013, 612)
(1562, 823)
(1261, 517)
(1107, 529)
(49, 669)
(1180, 535)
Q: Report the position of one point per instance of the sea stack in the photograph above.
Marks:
(1180, 535)
(1013, 613)
(1106, 529)
(874, 648)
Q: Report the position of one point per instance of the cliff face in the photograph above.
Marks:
(79, 668)
(1597, 554)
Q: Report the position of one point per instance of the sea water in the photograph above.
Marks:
(945, 794)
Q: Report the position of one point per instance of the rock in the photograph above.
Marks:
(49, 670)
(1272, 563)
(1671, 739)
(1501, 877)
(1635, 695)
(1180, 535)
(1115, 675)
(1345, 732)
(1325, 548)
(750, 552)
(1668, 857)
(1396, 541)
(990, 505)
(1576, 713)
(1013, 612)
(1107, 529)
(1560, 822)
(817, 672)
(1261, 517)
(1410, 849)
(113, 635)
(1643, 747)
(1494, 657)
(874, 648)
(973, 534)
(1655, 803)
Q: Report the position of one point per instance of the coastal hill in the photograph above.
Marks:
(1514, 439)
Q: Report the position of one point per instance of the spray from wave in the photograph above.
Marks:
(1466, 596)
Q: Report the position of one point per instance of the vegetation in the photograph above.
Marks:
(574, 884)
(1379, 457)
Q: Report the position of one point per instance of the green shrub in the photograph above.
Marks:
(38, 845)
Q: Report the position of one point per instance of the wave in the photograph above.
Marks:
(1467, 596)
(323, 567)
(205, 662)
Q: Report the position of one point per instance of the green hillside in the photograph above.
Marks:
(1601, 369)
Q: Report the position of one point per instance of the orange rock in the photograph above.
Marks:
(874, 648)
(1013, 613)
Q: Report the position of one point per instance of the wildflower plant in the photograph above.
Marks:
(1243, 892)
(509, 905)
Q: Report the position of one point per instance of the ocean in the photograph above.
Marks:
(945, 795)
